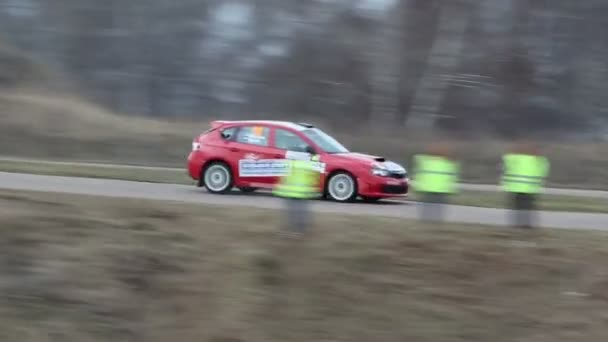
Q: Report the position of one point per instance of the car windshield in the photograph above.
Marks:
(324, 141)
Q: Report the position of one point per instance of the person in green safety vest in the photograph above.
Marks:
(297, 187)
(436, 176)
(524, 172)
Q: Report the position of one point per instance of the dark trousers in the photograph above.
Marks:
(523, 207)
(298, 215)
(432, 206)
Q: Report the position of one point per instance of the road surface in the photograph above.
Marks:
(191, 194)
(471, 187)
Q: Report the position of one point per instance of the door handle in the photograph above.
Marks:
(234, 149)
(278, 156)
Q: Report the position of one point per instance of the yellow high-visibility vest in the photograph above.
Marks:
(301, 182)
(524, 173)
(435, 174)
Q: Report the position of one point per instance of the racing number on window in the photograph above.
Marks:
(289, 141)
(258, 131)
(253, 135)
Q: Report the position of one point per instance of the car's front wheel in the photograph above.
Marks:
(342, 187)
(218, 178)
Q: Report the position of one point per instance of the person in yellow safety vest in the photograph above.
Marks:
(523, 176)
(436, 176)
(301, 184)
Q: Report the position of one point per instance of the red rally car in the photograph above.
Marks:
(252, 155)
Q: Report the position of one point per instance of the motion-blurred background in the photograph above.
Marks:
(134, 81)
(78, 76)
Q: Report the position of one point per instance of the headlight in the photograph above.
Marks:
(387, 168)
(394, 167)
(379, 170)
(196, 146)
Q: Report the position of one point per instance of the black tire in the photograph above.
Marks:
(347, 193)
(248, 190)
(222, 175)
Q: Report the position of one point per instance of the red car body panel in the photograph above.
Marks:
(210, 146)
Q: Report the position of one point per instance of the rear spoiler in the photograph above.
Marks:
(213, 126)
(217, 123)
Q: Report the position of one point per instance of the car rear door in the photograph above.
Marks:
(256, 164)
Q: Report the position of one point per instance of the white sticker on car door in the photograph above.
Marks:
(263, 167)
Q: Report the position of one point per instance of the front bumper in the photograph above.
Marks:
(381, 187)
(194, 164)
(395, 189)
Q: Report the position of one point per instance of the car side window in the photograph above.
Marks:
(289, 141)
(253, 135)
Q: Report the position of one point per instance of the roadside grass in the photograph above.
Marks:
(80, 268)
(486, 199)
(35, 124)
(53, 126)
(97, 171)
(491, 199)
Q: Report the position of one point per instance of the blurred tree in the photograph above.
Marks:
(492, 65)
(443, 62)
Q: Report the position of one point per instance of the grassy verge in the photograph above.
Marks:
(469, 198)
(546, 202)
(84, 268)
(93, 171)
(37, 124)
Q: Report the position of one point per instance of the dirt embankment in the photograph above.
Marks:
(86, 269)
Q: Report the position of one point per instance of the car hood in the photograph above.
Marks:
(370, 160)
(366, 158)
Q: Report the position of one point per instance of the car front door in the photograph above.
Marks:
(290, 145)
(253, 157)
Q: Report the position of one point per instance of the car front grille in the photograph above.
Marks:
(395, 189)
(398, 175)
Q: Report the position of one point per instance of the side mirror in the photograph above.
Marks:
(310, 149)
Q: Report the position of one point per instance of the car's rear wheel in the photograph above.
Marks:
(342, 187)
(218, 178)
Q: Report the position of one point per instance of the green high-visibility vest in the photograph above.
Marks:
(301, 182)
(524, 173)
(435, 174)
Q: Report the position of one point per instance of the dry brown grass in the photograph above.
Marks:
(46, 126)
(80, 268)
(574, 165)
(51, 127)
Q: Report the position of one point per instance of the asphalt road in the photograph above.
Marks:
(184, 193)
(471, 187)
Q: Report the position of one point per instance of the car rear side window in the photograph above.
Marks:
(253, 135)
(228, 133)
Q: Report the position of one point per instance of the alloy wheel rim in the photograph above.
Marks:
(217, 178)
(341, 187)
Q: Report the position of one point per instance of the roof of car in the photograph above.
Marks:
(287, 124)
